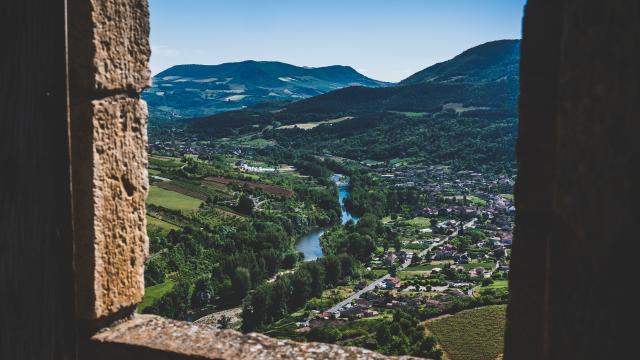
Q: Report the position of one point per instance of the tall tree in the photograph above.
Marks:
(202, 294)
(245, 205)
(240, 283)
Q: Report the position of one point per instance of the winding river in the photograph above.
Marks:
(309, 244)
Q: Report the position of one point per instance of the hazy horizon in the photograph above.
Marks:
(382, 40)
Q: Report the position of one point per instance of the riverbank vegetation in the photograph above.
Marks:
(271, 302)
(218, 232)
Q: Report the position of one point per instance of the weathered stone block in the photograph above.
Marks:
(110, 185)
(153, 337)
(109, 45)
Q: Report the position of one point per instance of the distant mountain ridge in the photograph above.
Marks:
(486, 76)
(462, 112)
(485, 63)
(201, 90)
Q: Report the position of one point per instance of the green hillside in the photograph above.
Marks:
(493, 61)
(462, 112)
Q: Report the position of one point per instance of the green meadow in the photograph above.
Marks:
(154, 293)
(171, 199)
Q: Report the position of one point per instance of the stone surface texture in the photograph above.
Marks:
(148, 336)
(108, 67)
(110, 186)
(108, 57)
(109, 44)
(120, 189)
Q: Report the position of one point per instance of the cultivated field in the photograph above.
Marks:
(152, 221)
(160, 162)
(476, 334)
(271, 189)
(171, 199)
(193, 191)
(311, 125)
(419, 222)
(154, 293)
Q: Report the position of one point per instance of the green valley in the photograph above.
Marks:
(351, 217)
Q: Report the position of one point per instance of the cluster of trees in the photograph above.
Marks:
(365, 196)
(469, 237)
(217, 270)
(401, 335)
(175, 304)
(325, 198)
(478, 140)
(195, 167)
(368, 195)
(229, 255)
(469, 142)
(404, 335)
(270, 302)
(183, 299)
(357, 240)
(310, 167)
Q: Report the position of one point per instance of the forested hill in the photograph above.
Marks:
(462, 111)
(485, 76)
(483, 64)
(184, 91)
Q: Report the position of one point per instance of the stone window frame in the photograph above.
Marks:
(72, 119)
(108, 53)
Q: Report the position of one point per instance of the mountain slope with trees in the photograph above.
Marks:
(461, 112)
(493, 61)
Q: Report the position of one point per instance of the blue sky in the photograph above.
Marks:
(383, 39)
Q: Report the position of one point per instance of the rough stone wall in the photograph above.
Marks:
(108, 63)
(108, 67)
(152, 337)
(576, 195)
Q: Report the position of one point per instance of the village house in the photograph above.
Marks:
(461, 258)
(443, 255)
(390, 258)
(479, 271)
(391, 283)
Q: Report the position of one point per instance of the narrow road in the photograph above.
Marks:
(357, 295)
(404, 265)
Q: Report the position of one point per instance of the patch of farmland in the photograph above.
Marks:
(164, 162)
(460, 108)
(165, 226)
(182, 189)
(271, 189)
(154, 293)
(476, 334)
(311, 125)
(171, 199)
